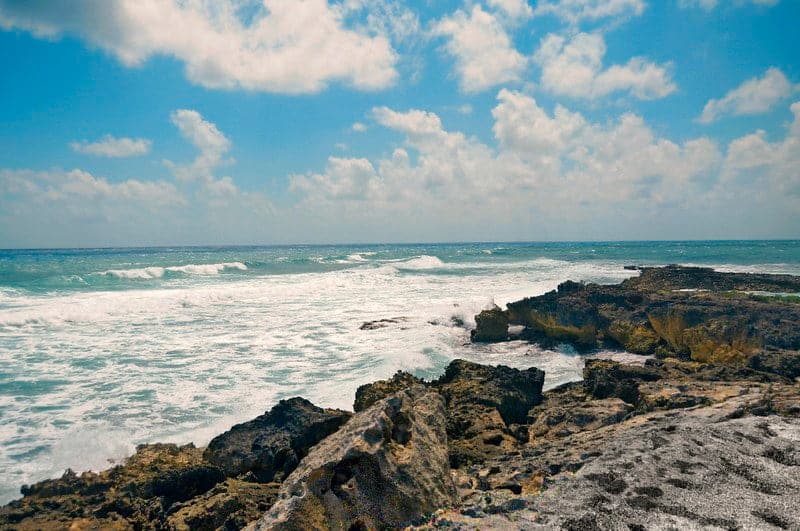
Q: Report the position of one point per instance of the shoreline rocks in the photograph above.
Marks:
(690, 313)
(387, 467)
(270, 446)
(713, 417)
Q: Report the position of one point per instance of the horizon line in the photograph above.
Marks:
(352, 244)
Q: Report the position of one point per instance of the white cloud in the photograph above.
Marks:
(574, 68)
(576, 11)
(359, 127)
(514, 9)
(109, 146)
(58, 185)
(708, 5)
(560, 156)
(767, 167)
(280, 46)
(204, 135)
(484, 54)
(754, 96)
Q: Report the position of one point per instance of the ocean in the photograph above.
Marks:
(103, 349)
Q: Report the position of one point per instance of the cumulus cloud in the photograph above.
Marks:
(209, 141)
(557, 170)
(559, 154)
(359, 127)
(708, 5)
(515, 9)
(754, 96)
(765, 165)
(574, 67)
(273, 46)
(576, 11)
(59, 185)
(483, 51)
(109, 146)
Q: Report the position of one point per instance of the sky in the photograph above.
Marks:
(230, 122)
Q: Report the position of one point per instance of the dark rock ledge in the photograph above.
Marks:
(705, 435)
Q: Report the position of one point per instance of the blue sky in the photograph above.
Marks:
(158, 122)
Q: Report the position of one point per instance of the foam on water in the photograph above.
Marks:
(149, 273)
(88, 372)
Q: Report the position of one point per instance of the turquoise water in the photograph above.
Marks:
(101, 349)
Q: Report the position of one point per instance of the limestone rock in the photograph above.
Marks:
(368, 394)
(385, 468)
(490, 325)
(271, 445)
(609, 379)
(230, 505)
(485, 405)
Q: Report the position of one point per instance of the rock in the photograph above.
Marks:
(382, 323)
(674, 277)
(684, 312)
(385, 468)
(368, 394)
(230, 505)
(484, 406)
(490, 325)
(609, 379)
(137, 494)
(688, 471)
(270, 446)
(565, 419)
(785, 363)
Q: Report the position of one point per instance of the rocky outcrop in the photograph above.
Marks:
(685, 312)
(675, 277)
(231, 504)
(270, 446)
(368, 394)
(385, 468)
(491, 325)
(138, 494)
(485, 408)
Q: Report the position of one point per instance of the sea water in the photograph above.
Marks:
(103, 349)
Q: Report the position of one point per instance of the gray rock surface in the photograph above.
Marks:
(387, 467)
(690, 469)
(270, 446)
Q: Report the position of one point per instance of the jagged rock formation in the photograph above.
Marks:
(143, 491)
(387, 467)
(368, 394)
(485, 408)
(272, 444)
(653, 314)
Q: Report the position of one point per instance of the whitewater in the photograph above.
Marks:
(103, 349)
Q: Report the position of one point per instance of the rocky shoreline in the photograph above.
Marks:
(704, 434)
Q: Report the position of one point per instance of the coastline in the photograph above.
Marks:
(508, 454)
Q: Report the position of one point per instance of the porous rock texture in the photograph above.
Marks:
(675, 311)
(272, 444)
(386, 468)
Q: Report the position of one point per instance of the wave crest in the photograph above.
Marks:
(419, 263)
(149, 273)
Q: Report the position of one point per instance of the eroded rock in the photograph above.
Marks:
(386, 467)
(368, 394)
(271, 445)
(490, 325)
(485, 407)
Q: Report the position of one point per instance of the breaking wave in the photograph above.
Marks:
(148, 273)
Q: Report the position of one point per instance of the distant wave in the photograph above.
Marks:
(148, 273)
(420, 263)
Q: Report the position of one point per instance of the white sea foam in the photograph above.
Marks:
(149, 273)
(420, 263)
(183, 364)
